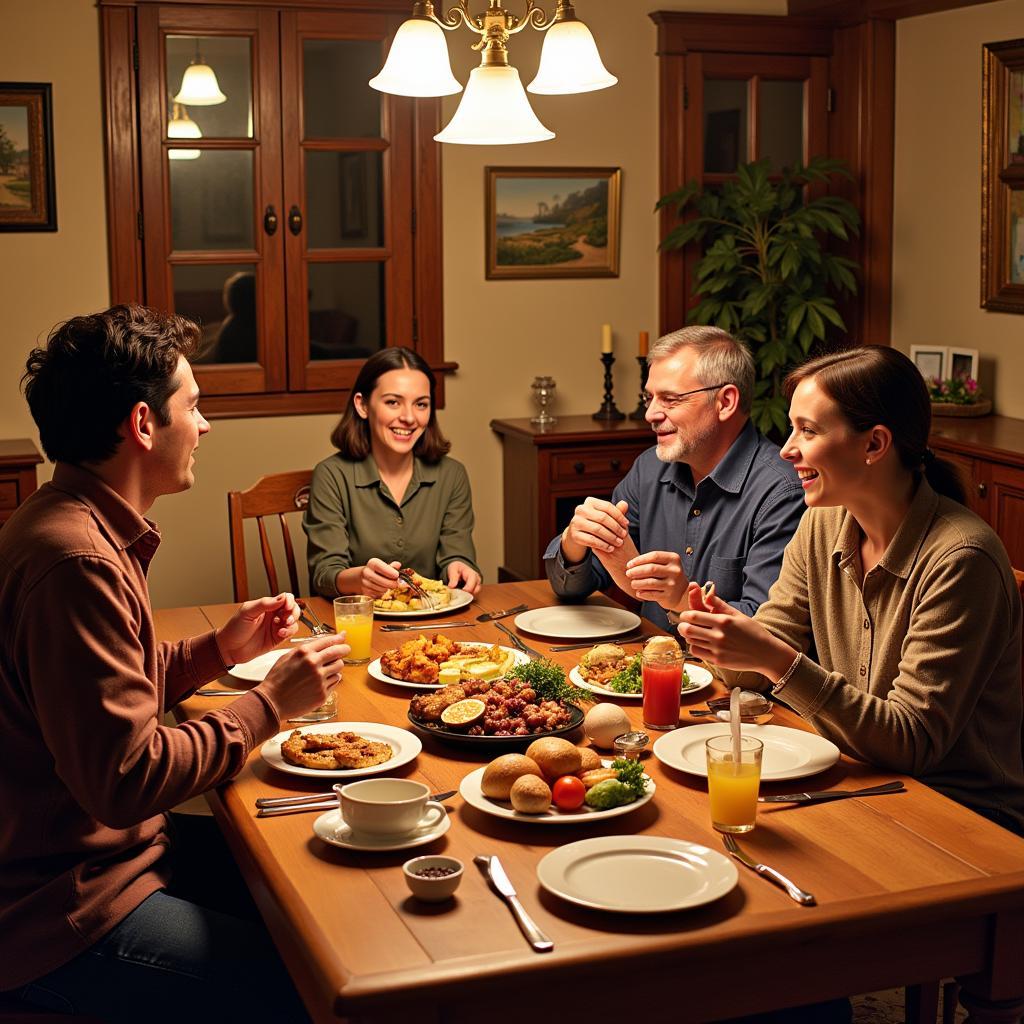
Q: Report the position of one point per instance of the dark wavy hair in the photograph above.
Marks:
(873, 385)
(352, 434)
(83, 383)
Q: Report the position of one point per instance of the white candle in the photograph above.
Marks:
(606, 338)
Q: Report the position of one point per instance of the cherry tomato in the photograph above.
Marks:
(568, 793)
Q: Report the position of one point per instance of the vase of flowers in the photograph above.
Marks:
(957, 396)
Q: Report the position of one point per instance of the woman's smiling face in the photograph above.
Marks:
(397, 411)
(827, 453)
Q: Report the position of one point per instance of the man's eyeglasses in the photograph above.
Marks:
(670, 401)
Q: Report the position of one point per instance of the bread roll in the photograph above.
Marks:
(503, 771)
(530, 795)
(589, 759)
(556, 757)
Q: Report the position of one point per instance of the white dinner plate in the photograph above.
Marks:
(637, 874)
(577, 621)
(459, 599)
(376, 672)
(788, 753)
(331, 828)
(405, 746)
(256, 671)
(697, 673)
(471, 792)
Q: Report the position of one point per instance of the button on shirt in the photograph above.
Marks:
(731, 528)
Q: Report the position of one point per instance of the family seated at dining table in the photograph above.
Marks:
(905, 598)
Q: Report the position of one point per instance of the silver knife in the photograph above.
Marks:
(528, 651)
(793, 891)
(824, 795)
(496, 873)
(295, 805)
(491, 616)
(424, 627)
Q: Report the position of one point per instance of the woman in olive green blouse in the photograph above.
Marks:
(391, 496)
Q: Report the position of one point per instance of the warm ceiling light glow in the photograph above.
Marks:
(199, 86)
(181, 126)
(569, 62)
(418, 63)
(494, 111)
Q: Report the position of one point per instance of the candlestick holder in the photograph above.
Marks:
(608, 412)
(640, 412)
(543, 392)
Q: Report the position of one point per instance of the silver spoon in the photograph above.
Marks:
(752, 705)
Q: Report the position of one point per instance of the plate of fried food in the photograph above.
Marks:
(610, 671)
(341, 750)
(401, 603)
(556, 783)
(485, 713)
(433, 660)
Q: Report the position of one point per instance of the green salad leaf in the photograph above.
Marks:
(631, 775)
(629, 680)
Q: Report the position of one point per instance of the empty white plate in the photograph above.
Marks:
(577, 621)
(637, 874)
(788, 753)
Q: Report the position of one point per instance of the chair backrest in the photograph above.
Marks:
(1019, 575)
(275, 495)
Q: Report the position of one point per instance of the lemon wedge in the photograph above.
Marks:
(463, 712)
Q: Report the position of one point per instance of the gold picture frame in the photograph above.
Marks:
(1002, 177)
(546, 222)
(27, 189)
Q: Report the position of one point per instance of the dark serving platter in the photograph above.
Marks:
(448, 735)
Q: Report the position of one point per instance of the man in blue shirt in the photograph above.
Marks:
(712, 501)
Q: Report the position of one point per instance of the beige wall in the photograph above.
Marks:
(937, 223)
(502, 333)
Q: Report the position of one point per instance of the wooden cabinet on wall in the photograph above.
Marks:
(546, 474)
(18, 461)
(989, 452)
(297, 217)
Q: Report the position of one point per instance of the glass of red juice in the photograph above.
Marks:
(662, 675)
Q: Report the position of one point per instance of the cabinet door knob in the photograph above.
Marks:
(578, 466)
(294, 220)
(615, 465)
(982, 490)
(270, 220)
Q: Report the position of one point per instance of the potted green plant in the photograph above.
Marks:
(765, 275)
(957, 396)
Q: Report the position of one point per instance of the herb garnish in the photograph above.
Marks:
(631, 774)
(629, 679)
(548, 679)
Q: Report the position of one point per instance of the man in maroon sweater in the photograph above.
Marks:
(90, 920)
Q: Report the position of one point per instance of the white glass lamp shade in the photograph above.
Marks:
(569, 62)
(183, 127)
(199, 87)
(417, 63)
(494, 111)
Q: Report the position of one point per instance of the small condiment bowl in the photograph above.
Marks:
(432, 890)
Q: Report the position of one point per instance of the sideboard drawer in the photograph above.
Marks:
(592, 464)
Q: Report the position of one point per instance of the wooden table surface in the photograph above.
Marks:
(910, 888)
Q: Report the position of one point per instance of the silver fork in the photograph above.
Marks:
(407, 578)
(793, 891)
(316, 627)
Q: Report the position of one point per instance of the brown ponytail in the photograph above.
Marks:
(873, 385)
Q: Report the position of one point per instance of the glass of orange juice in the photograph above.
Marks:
(732, 783)
(353, 615)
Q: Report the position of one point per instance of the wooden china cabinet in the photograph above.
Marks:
(297, 217)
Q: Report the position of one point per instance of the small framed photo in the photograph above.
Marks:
(27, 199)
(931, 360)
(962, 362)
(552, 222)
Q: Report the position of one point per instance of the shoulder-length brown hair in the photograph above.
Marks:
(352, 434)
(877, 385)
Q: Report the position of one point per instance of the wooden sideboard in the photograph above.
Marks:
(546, 474)
(18, 461)
(989, 452)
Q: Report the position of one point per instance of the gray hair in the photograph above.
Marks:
(721, 359)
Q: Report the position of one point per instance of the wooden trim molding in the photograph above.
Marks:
(680, 33)
(851, 11)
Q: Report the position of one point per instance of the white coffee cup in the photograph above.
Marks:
(387, 807)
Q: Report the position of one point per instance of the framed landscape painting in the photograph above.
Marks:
(27, 201)
(552, 222)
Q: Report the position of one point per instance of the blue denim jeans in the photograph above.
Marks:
(173, 959)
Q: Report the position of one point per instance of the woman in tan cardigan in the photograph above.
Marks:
(906, 597)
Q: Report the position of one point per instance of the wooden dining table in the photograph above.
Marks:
(910, 887)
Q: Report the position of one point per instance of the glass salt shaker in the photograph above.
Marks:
(630, 744)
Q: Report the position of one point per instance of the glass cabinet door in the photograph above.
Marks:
(349, 285)
(211, 164)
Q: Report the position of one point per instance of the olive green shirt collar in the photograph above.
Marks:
(366, 474)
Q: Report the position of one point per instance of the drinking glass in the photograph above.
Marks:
(324, 713)
(353, 614)
(661, 670)
(732, 784)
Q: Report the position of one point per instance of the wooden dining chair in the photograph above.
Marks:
(277, 494)
(922, 1001)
